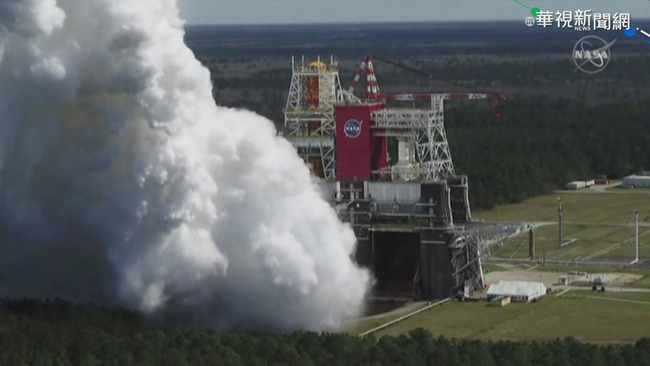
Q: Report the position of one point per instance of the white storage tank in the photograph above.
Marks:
(636, 181)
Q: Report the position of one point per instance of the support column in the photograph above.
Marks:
(636, 237)
(531, 244)
(560, 214)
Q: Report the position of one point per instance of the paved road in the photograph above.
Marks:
(607, 288)
(625, 224)
(606, 189)
(642, 263)
(538, 224)
(619, 300)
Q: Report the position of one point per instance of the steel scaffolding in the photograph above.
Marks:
(428, 132)
(426, 127)
(309, 113)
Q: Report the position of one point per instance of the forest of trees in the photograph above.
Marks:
(58, 333)
(539, 145)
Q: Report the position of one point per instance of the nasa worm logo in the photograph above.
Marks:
(591, 54)
(352, 128)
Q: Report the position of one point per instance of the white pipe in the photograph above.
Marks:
(386, 325)
(560, 214)
(636, 237)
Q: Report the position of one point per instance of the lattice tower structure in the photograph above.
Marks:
(426, 128)
(309, 113)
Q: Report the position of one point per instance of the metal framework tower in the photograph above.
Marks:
(422, 128)
(309, 114)
(426, 129)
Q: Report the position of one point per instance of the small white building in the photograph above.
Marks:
(576, 185)
(518, 291)
(636, 181)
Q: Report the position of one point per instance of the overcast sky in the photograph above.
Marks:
(345, 11)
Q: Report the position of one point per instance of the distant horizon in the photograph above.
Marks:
(187, 24)
(287, 12)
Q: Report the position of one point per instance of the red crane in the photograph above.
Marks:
(373, 93)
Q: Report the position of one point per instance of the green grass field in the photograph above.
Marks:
(597, 221)
(586, 315)
(593, 208)
(589, 240)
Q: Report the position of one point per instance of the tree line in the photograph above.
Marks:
(54, 332)
(537, 145)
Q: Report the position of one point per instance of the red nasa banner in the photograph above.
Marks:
(353, 141)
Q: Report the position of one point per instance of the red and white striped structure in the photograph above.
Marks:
(372, 86)
(423, 127)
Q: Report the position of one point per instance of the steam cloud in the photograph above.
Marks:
(121, 181)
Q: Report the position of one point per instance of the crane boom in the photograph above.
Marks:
(405, 67)
(373, 92)
(372, 87)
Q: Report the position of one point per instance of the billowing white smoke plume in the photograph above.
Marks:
(122, 183)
